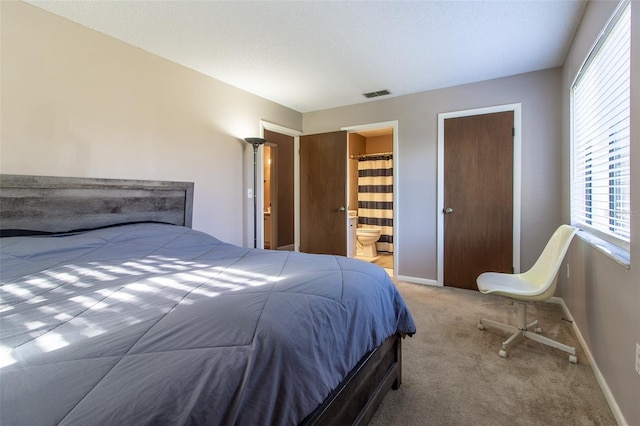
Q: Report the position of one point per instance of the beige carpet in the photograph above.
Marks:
(452, 374)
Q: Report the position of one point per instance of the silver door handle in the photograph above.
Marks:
(448, 210)
(341, 209)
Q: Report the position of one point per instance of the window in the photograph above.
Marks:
(601, 110)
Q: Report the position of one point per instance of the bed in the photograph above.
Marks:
(114, 311)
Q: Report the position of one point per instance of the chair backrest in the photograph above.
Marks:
(544, 273)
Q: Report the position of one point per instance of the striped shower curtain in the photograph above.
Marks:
(375, 197)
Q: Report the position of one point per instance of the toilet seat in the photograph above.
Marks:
(367, 231)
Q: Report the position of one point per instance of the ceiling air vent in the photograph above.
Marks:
(376, 94)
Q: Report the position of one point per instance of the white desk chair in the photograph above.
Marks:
(535, 285)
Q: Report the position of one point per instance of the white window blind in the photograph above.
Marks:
(600, 184)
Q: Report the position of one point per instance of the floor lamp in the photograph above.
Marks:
(256, 142)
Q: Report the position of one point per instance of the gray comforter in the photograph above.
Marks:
(160, 324)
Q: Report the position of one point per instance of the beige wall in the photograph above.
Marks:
(415, 161)
(78, 103)
(603, 297)
(377, 144)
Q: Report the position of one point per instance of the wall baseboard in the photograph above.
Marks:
(415, 280)
(615, 409)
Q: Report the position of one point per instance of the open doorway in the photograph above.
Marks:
(270, 197)
(278, 191)
(371, 195)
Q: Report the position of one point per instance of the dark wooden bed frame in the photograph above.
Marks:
(45, 204)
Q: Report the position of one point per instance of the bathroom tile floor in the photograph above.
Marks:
(385, 260)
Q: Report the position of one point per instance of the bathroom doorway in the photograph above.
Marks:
(371, 193)
(278, 191)
(270, 196)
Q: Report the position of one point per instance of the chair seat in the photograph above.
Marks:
(508, 285)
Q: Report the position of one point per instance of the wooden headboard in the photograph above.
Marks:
(60, 204)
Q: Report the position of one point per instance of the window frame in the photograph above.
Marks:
(611, 242)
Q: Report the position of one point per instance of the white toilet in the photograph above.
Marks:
(367, 238)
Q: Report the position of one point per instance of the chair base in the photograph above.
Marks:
(523, 330)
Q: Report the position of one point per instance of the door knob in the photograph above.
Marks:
(448, 210)
(341, 209)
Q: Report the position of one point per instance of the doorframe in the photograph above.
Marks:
(273, 188)
(273, 127)
(517, 176)
(396, 171)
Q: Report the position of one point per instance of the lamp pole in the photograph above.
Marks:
(256, 142)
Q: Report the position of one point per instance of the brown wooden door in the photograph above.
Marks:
(478, 188)
(323, 193)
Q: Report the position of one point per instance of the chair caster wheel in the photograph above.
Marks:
(502, 353)
(538, 330)
(573, 359)
(481, 326)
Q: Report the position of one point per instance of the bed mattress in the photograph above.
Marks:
(161, 324)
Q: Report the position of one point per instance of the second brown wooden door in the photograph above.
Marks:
(478, 193)
(323, 193)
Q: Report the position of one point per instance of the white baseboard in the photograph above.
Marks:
(615, 409)
(415, 280)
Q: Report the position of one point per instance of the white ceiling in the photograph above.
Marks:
(313, 55)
